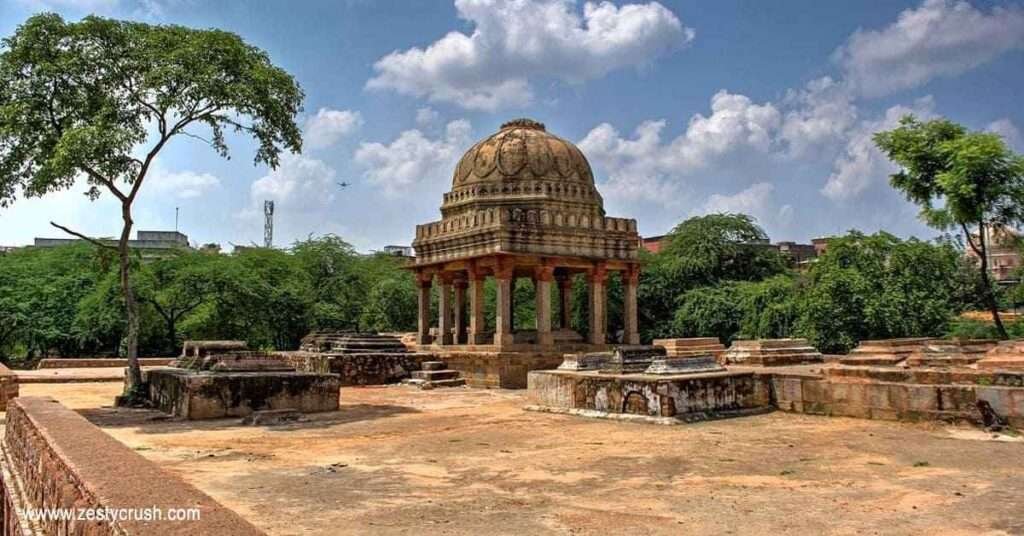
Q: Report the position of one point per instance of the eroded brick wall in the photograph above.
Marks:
(8, 386)
(53, 457)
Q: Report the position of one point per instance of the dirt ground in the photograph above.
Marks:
(396, 460)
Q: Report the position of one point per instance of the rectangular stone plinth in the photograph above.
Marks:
(487, 366)
(694, 346)
(1007, 355)
(212, 395)
(884, 351)
(359, 368)
(772, 352)
(950, 353)
(652, 398)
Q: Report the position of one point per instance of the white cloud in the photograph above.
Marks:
(861, 163)
(821, 113)
(647, 167)
(516, 40)
(1010, 133)
(300, 182)
(755, 200)
(426, 116)
(413, 158)
(180, 184)
(938, 38)
(328, 126)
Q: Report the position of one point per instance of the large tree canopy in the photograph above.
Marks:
(99, 99)
(969, 181)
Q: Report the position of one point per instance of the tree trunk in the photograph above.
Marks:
(131, 306)
(172, 333)
(990, 295)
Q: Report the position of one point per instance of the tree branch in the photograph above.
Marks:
(200, 138)
(83, 237)
(967, 236)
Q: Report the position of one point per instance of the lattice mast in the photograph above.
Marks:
(268, 224)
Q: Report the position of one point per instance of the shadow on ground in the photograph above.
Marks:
(152, 421)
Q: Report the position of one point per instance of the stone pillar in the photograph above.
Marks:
(598, 320)
(477, 321)
(444, 313)
(503, 275)
(423, 281)
(460, 311)
(565, 301)
(543, 276)
(630, 282)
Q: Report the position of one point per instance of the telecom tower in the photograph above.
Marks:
(268, 224)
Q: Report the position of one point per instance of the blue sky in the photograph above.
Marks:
(682, 108)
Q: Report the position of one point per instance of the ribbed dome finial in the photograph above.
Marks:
(523, 122)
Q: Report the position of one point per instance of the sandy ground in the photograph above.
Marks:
(396, 460)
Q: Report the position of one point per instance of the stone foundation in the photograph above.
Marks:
(1007, 355)
(211, 395)
(8, 386)
(101, 362)
(493, 369)
(359, 369)
(950, 353)
(884, 351)
(692, 347)
(771, 353)
(901, 394)
(51, 457)
(653, 398)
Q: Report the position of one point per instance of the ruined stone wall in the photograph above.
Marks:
(902, 394)
(505, 370)
(693, 397)
(358, 369)
(101, 362)
(8, 386)
(52, 457)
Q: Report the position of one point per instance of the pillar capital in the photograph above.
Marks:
(544, 273)
(461, 283)
(475, 272)
(598, 273)
(504, 268)
(631, 274)
(446, 278)
(424, 279)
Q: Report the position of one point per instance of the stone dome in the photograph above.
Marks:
(522, 149)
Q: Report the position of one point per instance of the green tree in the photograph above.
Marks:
(77, 99)
(702, 251)
(712, 311)
(175, 286)
(963, 180)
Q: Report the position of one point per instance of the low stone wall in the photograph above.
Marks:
(359, 369)
(52, 457)
(8, 386)
(206, 395)
(668, 399)
(902, 394)
(101, 362)
(505, 370)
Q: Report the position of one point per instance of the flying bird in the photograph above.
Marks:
(343, 184)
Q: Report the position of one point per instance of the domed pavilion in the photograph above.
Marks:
(522, 205)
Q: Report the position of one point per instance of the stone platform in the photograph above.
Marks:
(771, 352)
(485, 366)
(695, 346)
(211, 395)
(889, 352)
(950, 353)
(662, 399)
(357, 358)
(1007, 355)
(203, 385)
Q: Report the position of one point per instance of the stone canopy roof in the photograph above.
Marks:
(523, 190)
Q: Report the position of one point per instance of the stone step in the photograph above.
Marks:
(453, 382)
(434, 375)
(434, 365)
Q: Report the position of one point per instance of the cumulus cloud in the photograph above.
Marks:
(413, 158)
(820, 113)
(514, 41)
(755, 200)
(328, 126)
(299, 183)
(180, 184)
(861, 164)
(1010, 133)
(426, 116)
(938, 38)
(645, 166)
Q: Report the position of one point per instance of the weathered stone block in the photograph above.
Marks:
(211, 395)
